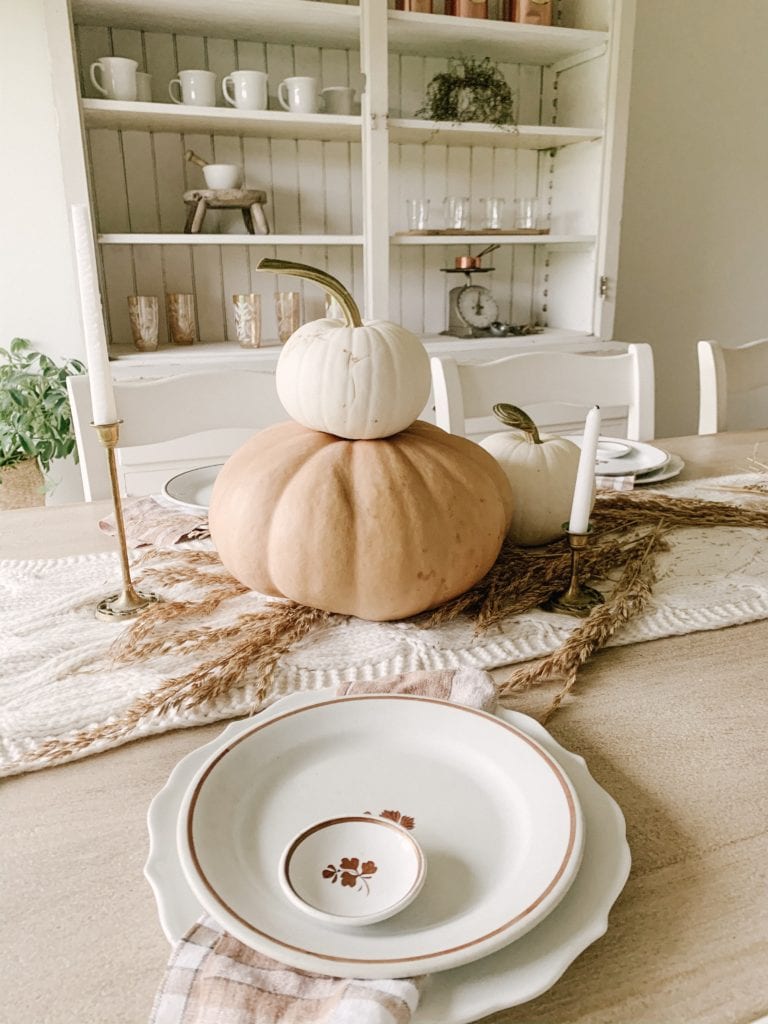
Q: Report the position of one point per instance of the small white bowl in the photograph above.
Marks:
(353, 870)
(223, 175)
(607, 449)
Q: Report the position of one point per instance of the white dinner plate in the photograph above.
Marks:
(192, 489)
(496, 817)
(517, 973)
(641, 457)
(670, 469)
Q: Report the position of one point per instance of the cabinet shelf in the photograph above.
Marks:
(341, 205)
(441, 35)
(436, 344)
(172, 117)
(304, 22)
(134, 238)
(443, 133)
(481, 239)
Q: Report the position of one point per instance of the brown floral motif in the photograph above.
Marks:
(352, 873)
(403, 820)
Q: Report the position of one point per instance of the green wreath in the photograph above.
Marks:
(469, 90)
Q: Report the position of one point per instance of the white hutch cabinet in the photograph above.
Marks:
(336, 185)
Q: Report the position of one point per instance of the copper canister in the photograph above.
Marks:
(531, 12)
(468, 8)
(421, 6)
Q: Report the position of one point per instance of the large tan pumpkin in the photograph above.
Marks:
(379, 529)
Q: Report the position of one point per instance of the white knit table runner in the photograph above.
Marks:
(56, 679)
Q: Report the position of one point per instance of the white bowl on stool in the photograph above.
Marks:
(222, 176)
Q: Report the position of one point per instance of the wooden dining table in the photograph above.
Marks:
(674, 729)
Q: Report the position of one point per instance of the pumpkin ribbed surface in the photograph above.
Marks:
(542, 477)
(354, 382)
(379, 529)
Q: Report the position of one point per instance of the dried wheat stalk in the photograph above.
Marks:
(258, 641)
(628, 599)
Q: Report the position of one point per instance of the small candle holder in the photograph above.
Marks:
(578, 599)
(129, 602)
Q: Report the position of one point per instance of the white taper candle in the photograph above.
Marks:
(97, 355)
(584, 491)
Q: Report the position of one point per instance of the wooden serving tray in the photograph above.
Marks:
(477, 231)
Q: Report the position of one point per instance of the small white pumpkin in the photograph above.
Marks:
(357, 381)
(542, 471)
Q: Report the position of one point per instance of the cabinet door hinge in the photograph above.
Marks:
(603, 287)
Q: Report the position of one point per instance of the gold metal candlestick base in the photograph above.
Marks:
(129, 602)
(125, 605)
(578, 599)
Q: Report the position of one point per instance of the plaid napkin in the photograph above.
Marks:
(213, 978)
(147, 521)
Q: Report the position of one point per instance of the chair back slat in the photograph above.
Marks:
(466, 393)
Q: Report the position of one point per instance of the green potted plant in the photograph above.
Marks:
(35, 421)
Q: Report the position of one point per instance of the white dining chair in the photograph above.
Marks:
(171, 424)
(548, 385)
(733, 386)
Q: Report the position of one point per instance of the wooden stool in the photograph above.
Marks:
(249, 200)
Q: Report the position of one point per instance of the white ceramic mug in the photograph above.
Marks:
(249, 90)
(338, 99)
(143, 87)
(196, 88)
(118, 77)
(299, 95)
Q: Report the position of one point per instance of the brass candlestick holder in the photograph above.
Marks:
(129, 602)
(578, 599)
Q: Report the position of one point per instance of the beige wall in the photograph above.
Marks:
(38, 284)
(694, 240)
(39, 290)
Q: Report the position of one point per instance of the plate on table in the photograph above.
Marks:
(496, 818)
(641, 457)
(670, 469)
(515, 974)
(192, 489)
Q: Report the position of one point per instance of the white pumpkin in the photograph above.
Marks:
(542, 471)
(357, 381)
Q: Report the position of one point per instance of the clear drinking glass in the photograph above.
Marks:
(144, 314)
(248, 319)
(418, 214)
(526, 213)
(287, 307)
(493, 210)
(456, 212)
(180, 310)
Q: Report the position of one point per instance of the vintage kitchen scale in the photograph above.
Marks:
(472, 309)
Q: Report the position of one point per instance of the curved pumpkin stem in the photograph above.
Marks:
(514, 417)
(321, 277)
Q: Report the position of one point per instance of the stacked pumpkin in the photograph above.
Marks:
(354, 506)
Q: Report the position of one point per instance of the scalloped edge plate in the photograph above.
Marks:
(516, 974)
